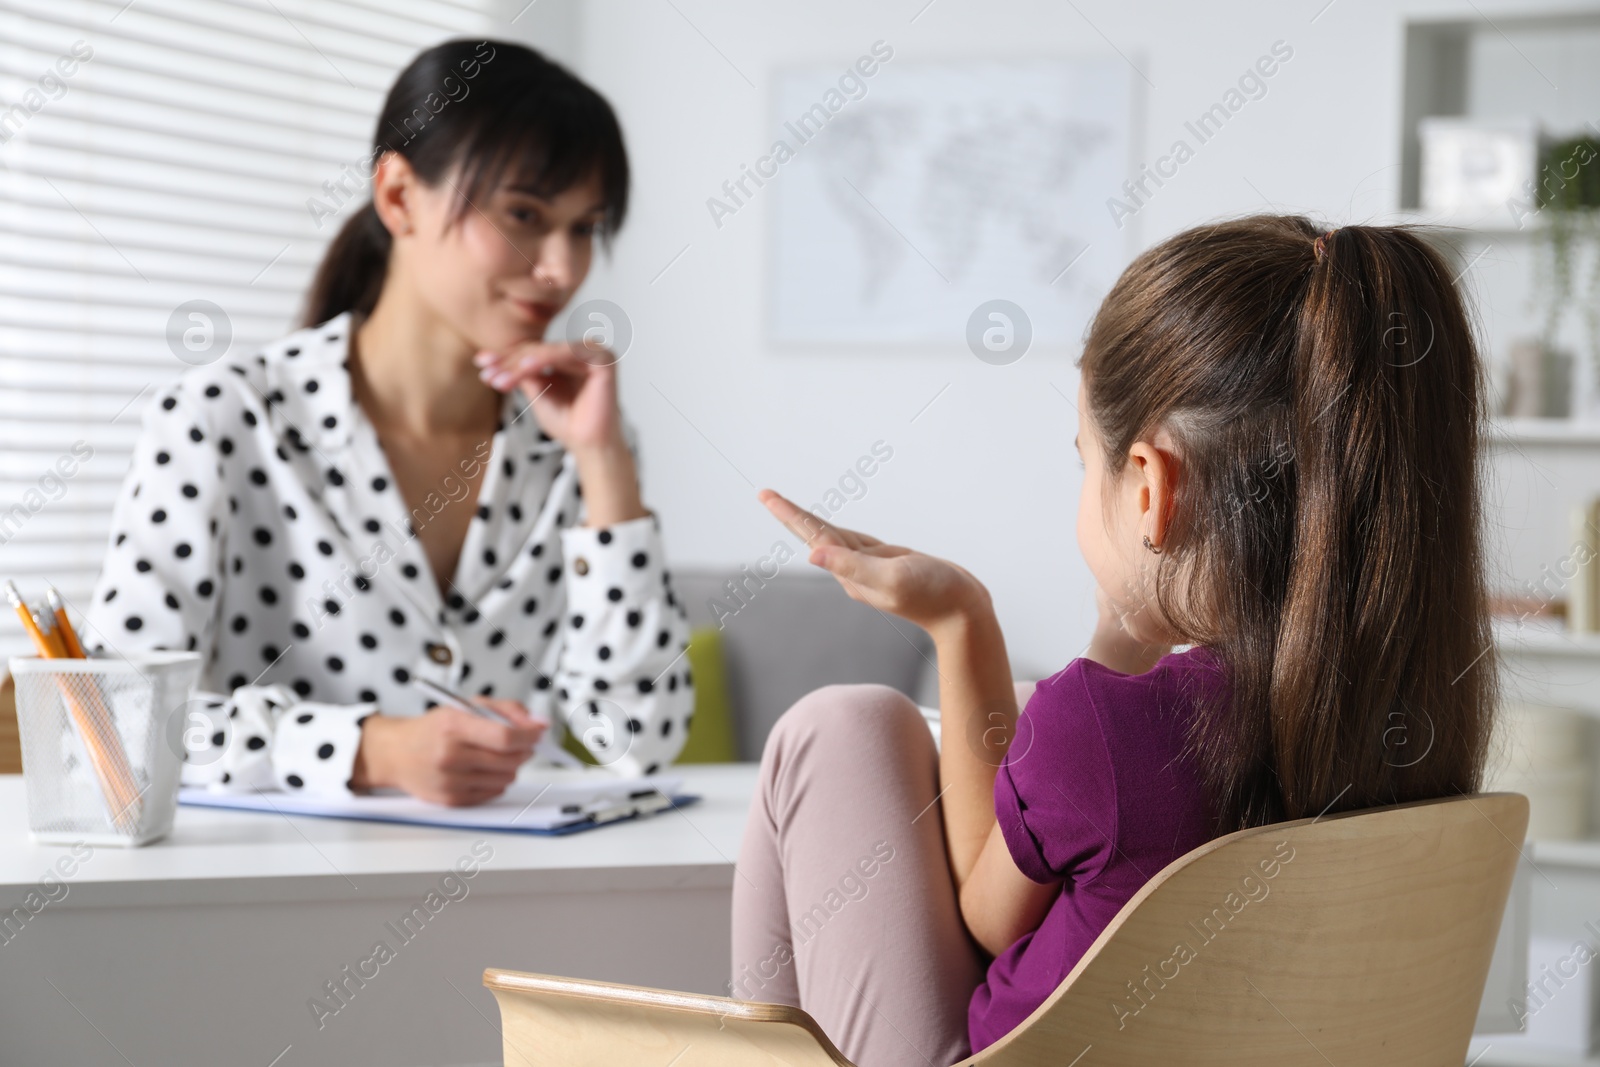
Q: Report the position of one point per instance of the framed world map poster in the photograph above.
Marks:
(943, 187)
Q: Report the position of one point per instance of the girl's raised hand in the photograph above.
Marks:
(571, 385)
(917, 587)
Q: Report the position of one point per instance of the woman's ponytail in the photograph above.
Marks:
(1326, 399)
(351, 274)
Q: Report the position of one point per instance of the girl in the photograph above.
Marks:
(370, 501)
(1278, 430)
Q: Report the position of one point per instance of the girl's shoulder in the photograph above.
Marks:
(1179, 669)
(1085, 694)
(1097, 770)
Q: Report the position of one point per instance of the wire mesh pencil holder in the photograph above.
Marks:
(100, 755)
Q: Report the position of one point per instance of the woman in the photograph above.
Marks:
(415, 485)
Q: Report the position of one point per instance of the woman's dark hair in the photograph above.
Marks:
(1326, 401)
(497, 111)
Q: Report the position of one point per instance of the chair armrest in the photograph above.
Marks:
(576, 1023)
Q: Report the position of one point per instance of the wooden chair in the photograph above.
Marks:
(1360, 939)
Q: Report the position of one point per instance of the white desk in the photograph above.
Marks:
(206, 948)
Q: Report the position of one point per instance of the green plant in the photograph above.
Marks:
(1569, 193)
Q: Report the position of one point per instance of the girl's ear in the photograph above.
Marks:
(1154, 467)
(393, 182)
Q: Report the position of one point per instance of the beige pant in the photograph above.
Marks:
(843, 903)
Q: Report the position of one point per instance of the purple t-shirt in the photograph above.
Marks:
(1097, 790)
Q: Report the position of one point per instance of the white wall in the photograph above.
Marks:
(986, 475)
(551, 26)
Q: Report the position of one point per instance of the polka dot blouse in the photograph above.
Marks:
(260, 525)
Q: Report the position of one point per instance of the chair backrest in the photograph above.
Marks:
(1361, 938)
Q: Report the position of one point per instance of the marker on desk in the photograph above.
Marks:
(544, 748)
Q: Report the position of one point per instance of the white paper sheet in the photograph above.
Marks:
(556, 801)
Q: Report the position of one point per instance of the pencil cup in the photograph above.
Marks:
(96, 760)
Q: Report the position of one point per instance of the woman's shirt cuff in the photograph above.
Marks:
(263, 737)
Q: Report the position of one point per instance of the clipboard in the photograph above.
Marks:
(553, 807)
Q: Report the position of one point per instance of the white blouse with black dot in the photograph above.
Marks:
(260, 525)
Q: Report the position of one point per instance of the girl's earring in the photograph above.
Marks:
(1154, 548)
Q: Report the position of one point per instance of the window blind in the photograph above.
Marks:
(154, 153)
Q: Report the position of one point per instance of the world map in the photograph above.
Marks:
(945, 187)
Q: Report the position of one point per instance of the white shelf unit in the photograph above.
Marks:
(1488, 225)
(1550, 667)
(1494, 67)
(1440, 79)
(1548, 641)
(1507, 1052)
(1559, 668)
(1585, 854)
(1557, 432)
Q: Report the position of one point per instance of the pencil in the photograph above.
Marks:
(29, 622)
(69, 636)
(94, 722)
(47, 631)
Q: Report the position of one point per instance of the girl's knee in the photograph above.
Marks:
(851, 715)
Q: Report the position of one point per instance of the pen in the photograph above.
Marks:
(456, 700)
(545, 746)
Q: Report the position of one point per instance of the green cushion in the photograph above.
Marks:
(711, 737)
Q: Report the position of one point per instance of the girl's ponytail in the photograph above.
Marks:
(352, 270)
(1326, 402)
(1382, 683)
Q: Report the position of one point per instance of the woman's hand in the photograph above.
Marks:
(573, 390)
(571, 385)
(923, 589)
(446, 756)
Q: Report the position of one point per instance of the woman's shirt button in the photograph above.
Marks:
(440, 654)
(580, 565)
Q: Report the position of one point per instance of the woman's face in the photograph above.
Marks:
(500, 272)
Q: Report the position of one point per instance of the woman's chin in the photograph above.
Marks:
(506, 332)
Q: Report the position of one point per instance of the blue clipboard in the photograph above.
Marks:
(578, 806)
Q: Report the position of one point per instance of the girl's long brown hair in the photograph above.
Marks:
(1326, 401)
